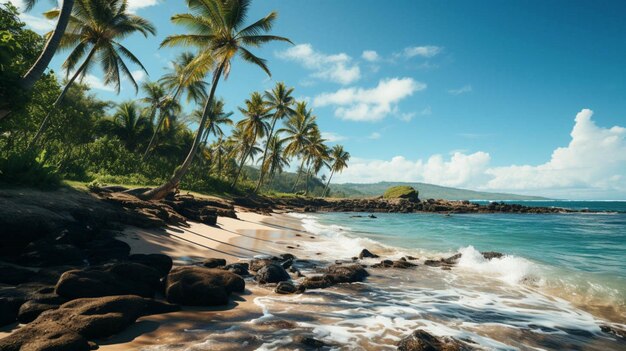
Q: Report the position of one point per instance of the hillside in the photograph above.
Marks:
(426, 191)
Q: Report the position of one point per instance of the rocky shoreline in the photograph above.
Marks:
(67, 281)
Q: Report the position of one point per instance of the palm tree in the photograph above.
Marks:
(316, 154)
(280, 101)
(218, 34)
(130, 125)
(177, 81)
(276, 160)
(54, 39)
(217, 117)
(298, 128)
(340, 160)
(253, 126)
(94, 29)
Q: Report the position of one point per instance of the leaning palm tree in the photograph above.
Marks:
(280, 101)
(54, 39)
(253, 126)
(219, 34)
(177, 81)
(95, 28)
(340, 160)
(276, 160)
(297, 129)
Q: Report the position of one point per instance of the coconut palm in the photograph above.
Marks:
(280, 101)
(94, 30)
(253, 126)
(219, 34)
(297, 129)
(160, 104)
(276, 160)
(340, 159)
(177, 81)
(217, 117)
(54, 39)
(130, 125)
(316, 155)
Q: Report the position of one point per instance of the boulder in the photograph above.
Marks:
(258, 263)
(105, 250)
(214, 262)
(272, 273)
(160, 262)
(199, 286)
(285, 287)
(9, 307)
(421, 340)
(310, 343)
(336, 274)
(403, 264)
(237, 268)
(30, 310)
(71, 326)
(365, 253)
(122, 278)
(43, 254)
(492, 254)
(13, 275)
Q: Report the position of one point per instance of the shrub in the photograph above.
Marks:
(401, 192)
(28, 169)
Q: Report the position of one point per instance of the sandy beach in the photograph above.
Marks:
(232, 239)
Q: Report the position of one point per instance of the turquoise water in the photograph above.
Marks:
(580, 253)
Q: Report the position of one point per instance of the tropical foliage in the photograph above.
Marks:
(177, 125)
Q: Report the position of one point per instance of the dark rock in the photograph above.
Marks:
(620, 333)
(30, 310)
(365, 253)
(9, 307)
(43, 255)
(122, 278)
(317, 282)
(105, 250)
(259, 263)
(238, 268)
(14, 275)
(420, 340)
(285, 287)
(383, 264)
(336, 274)
(199, 286)
(272, 273)
(287, 256)
(310, 342)
(452, 259)
(71, 326)
(394, 264)
(492, 254)
(160, 262)
(214, 262)
(410, 258)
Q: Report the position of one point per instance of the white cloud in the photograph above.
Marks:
(337, 68)
(96, 83)
(462, 90)
(374, 136)
(138, 75)
(36, 23)
(134, 5)
(370, 55)
(422, 51)
(592, 165)
(359, 104)
(594, 160)
(333, 137)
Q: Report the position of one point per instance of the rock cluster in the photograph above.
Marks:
(421, 340)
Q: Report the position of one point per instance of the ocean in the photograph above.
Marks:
(562, 278)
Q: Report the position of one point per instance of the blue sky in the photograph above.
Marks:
(488, 95)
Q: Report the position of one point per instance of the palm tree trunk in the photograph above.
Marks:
(328, 183)
(162, 191)
(36, 71)
(267, 145)
(243, 160)
(299, 174)
(308, 174)
(57, 102)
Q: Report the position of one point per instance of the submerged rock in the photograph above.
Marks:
(336, 274)
(286, 287)
(420, 340)
(198, 286)
(71, 326)
(402, 264)
(238, 268)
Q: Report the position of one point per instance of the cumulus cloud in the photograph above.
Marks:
(422, 51)
(592, 165)
(359, 104)
(338, 68)
(594, 161)
(462, 90)
(370, 55)
(96, 83)
(139, 75)
(333, 137)
(134, 5)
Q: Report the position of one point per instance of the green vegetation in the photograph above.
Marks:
(401, 192)
(426, 191)
(61, 130)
